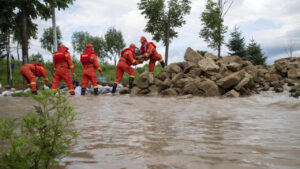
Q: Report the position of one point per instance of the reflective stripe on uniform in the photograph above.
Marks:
(46, 79)
(99, 68)
(95, 87)
(133, 61)
(72, 66)
(147, 55)
(116, 82)
(84, 55)
(131, 76)
(33, 83)
(72, 90)
(161, 60)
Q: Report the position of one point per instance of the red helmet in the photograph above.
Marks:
(143, 39)
(89, 45)
(132, 45)
(62, 46)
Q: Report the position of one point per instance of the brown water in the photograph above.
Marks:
(261, 131)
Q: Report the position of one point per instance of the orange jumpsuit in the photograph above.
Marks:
(62, 62)
(30, 71)
(124, 64)
(148, 50)
(89, 63)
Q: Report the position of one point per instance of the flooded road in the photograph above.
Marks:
(122, 132)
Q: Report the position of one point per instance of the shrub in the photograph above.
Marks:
(44, 136)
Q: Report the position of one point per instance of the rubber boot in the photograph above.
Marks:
(114, 88)
(34, 92)
(162, 64)
(96, 91)
(83, 91)
(131, 79)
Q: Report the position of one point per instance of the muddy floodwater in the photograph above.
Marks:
(123, 132)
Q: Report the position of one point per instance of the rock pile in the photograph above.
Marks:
(209, 75)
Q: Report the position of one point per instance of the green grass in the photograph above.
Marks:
(109, 71)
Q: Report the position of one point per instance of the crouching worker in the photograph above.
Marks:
(62, 62)
(89, 62)
(30, 71)
(124, 65)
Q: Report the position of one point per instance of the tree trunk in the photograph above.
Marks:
(18, 50)
(54, 31)
(24, 37)
(167, 39)
(115, 60)
(7, 55)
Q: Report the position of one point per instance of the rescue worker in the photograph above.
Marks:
(124, 65)
(148, 50)
(62, 62)
(30, 71)
(89, 63)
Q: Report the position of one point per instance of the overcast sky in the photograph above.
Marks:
(274, 24)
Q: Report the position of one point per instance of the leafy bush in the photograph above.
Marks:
(44, 136)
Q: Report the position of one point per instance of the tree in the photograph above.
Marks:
(47, 38)
(3, 39)
(80, 39)
(236, 44)
(114, 43)
(36, 58)
(24, 14)
(254, 54)
(213, 21)
(201, 52)
(162, 21)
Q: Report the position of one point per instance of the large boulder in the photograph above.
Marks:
(187, 66)
(232, 93)
(172, 68)
(162, 76)
(194, 72)
(208, 64)
(234, 66)
(231, 59)
(177, 77)
(243, 82)
(212, 56)
(169, 92)
(182, 82)
(294, 73)
(231, 80)
(208, 87)
(191, 88)
(166, 84)
(124, 90)
(153, 91)
(192, 56)
(145, 80)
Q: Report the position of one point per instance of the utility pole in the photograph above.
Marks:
(54, 30)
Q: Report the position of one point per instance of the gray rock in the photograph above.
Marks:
(172, 68)
(208, 64)
(207, 87)
(145, 80)
(231, 80)
(169, 92)
(192, 56)
(232, 93)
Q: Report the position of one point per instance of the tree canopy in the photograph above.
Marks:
(114, 43)
(254, 54)
(236, 44)
(163, 17)
(47, 38)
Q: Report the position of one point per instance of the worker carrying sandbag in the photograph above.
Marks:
(31, 71)
(124, 65)
(62, 62)
(89, 63)
(148, 50)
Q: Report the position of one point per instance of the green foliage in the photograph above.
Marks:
(236, 44)
(36, 58)
(213, 26)
(47, 38)
(114, 43)
(44, 136)
(80, 39)
(3, 40)
(163, 20)
(254, 54)
(201, 52)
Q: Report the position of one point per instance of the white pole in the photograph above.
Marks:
(54, 31)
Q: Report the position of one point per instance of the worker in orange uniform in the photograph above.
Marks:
(89, 62)
(148, 50)
(30, 71)
(124, 65)
(62, 62)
